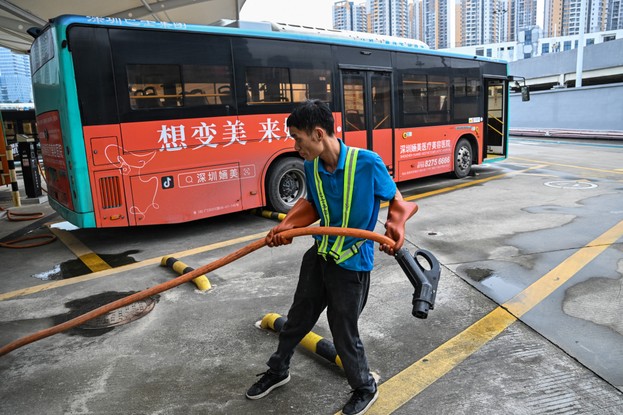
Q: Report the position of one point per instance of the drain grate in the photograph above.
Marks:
(123, 315)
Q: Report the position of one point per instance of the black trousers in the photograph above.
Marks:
(324, 284)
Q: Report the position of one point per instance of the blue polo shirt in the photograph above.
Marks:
(372, 184)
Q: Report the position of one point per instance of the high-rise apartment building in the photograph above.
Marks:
(493, 21)
(522, 15)
(480, 22)
(15, 84)
(562, 17)
(415, 20)
(348, 15)
(389, 17)
(615, 15)
(438, 23)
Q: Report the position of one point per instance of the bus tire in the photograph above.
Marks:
(285, 184)
(462, 159)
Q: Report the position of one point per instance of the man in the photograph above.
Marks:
(345, 186)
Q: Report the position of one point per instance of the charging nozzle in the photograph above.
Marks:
(424, 279)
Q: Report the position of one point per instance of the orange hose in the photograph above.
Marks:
(253, 246)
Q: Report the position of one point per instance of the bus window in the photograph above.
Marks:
(381, 102)
(354, 102)
(154, 86)
(473, 87)
(207, 85)
(438, 94)
(460, 87)
(311, 84)
(414, 95)
(268, 85)
(465, 100)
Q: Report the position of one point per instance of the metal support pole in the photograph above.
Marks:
(580, 50)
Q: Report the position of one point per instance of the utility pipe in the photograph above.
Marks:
(205, 269)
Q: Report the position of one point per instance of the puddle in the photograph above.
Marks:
(75, 267)
(66, 226)
(501, 289)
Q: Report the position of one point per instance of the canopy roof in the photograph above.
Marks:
(17, 16)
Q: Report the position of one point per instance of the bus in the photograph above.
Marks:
(146, 123)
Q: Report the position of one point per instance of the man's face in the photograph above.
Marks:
(307, 145)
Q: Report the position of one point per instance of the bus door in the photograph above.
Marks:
(496, 126)
(366, 118)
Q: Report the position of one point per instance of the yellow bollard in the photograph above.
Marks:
(202, 282)
(268, 214)
(312, 342)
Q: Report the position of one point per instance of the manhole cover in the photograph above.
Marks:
(122, 315)
(569, 184)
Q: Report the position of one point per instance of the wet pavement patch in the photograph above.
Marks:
(597, 300)
(76, 268)
(478, 274)
(107, 322)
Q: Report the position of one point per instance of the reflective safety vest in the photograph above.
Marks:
(337, 251)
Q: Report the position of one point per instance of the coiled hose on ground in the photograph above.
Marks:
(253, 246)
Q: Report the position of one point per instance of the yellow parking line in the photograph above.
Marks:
(93, 261)
(403, 387)
(617, 171)
(125, 268)
(466, 184)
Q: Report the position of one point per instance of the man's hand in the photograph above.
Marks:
(302, 214)
(274, 239)
(398, 213)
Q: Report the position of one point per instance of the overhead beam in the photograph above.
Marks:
(15, 27)
(155, 7)
(16, 11)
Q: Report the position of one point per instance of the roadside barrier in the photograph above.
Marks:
(312, 342)
(202, 282)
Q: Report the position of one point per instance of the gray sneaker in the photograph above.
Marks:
(266, 384)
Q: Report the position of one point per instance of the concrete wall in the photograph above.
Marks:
(595, 108)
(601, 61)
(596, 57)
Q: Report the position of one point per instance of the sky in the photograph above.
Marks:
(318, 13)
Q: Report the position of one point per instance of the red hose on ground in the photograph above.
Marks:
(253, 246)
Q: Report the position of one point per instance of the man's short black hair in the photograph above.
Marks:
(311, 114)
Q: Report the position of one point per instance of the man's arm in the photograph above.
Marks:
(302, 214)
(398, 213)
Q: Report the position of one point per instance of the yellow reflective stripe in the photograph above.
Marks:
(336, 250)
(353, 250)
(322, 249)
(349, 181)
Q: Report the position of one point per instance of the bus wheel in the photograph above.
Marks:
(285, 184)
(462, 159)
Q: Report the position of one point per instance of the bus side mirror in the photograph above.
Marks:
(525, 93)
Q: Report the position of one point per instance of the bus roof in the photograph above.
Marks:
(269, 30)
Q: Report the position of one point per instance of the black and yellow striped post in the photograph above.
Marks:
(269, 214)
(312, 342)
(14, 187)
(202, 282)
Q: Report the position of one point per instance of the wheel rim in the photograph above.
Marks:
(291, 187)
(463, 158)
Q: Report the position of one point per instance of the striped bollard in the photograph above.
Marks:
(14, 187)
(312, 342)
(202, 282)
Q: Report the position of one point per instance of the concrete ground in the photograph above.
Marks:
(490, 346)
